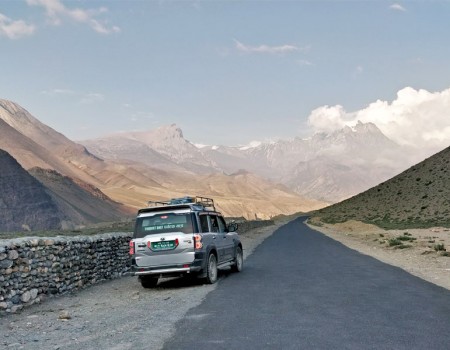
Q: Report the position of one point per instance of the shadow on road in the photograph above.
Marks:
(188, 281)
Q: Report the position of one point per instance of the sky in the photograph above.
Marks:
(230, 72)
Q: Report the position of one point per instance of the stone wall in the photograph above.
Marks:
(245, 226)
(32, 269)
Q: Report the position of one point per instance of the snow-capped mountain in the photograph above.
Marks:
(327, 167)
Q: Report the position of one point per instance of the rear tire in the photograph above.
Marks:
(211, 269)
(148, 282)
(238, 260)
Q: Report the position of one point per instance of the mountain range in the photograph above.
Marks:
(131, 173)
(326, 167)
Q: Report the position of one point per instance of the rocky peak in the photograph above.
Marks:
(366, 128)
(14, 115)
(170, 132)
(23, 122)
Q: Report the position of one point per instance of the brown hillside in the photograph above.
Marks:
(419, 197)
(82, 202)
(235, 195)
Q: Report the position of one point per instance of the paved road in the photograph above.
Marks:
(302, 290)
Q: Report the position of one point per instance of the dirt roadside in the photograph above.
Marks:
(115, 315)
(417, 251)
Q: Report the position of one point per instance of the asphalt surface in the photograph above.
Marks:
(302, 290)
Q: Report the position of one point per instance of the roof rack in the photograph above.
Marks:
(206, 203)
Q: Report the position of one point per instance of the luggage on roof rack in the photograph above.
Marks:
(207, 203)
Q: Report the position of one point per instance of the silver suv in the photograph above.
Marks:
(183, 236)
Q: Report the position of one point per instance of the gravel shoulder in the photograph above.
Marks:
(418, 252)
(115, 315)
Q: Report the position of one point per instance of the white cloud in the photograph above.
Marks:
(92, 98)
(56, 11)
(327, 119)
(83, 98)
(397, 7)
(282, 49)
(14, 29)
(416, 118)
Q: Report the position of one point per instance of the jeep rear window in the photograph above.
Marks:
(163, 223)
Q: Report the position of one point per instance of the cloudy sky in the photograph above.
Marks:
(230, 72)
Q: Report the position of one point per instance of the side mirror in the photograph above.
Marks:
(232, 226)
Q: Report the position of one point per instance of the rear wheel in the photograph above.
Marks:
(148, 282)
(211, 269)
(238, 260)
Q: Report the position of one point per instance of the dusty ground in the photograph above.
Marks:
(419, 252)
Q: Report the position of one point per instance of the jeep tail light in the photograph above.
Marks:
(131, 247)
(198, 242)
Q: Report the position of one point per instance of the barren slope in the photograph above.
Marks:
(418, 197)
(24, 202)
(84, 203)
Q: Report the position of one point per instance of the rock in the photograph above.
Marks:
(16, 308)
(3, 305)
(48, 242)
(64, 315)
(34, 293)
(6, 264)
(15, 299)
(13, 254)
(33, 242)
(26, 297)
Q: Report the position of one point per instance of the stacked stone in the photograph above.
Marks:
(33, 268)
(245, 226)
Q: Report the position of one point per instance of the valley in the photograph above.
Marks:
(109, 178)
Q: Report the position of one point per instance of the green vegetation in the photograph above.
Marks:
(417, 198)
(399, 241)
(394, 242)
(439, 247)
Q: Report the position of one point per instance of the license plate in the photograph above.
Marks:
(163, 245)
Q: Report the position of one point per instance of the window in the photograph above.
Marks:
(204, 223)
(214, 223)
(222, 225)
(163, 223)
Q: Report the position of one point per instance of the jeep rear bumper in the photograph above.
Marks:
(168, 271)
